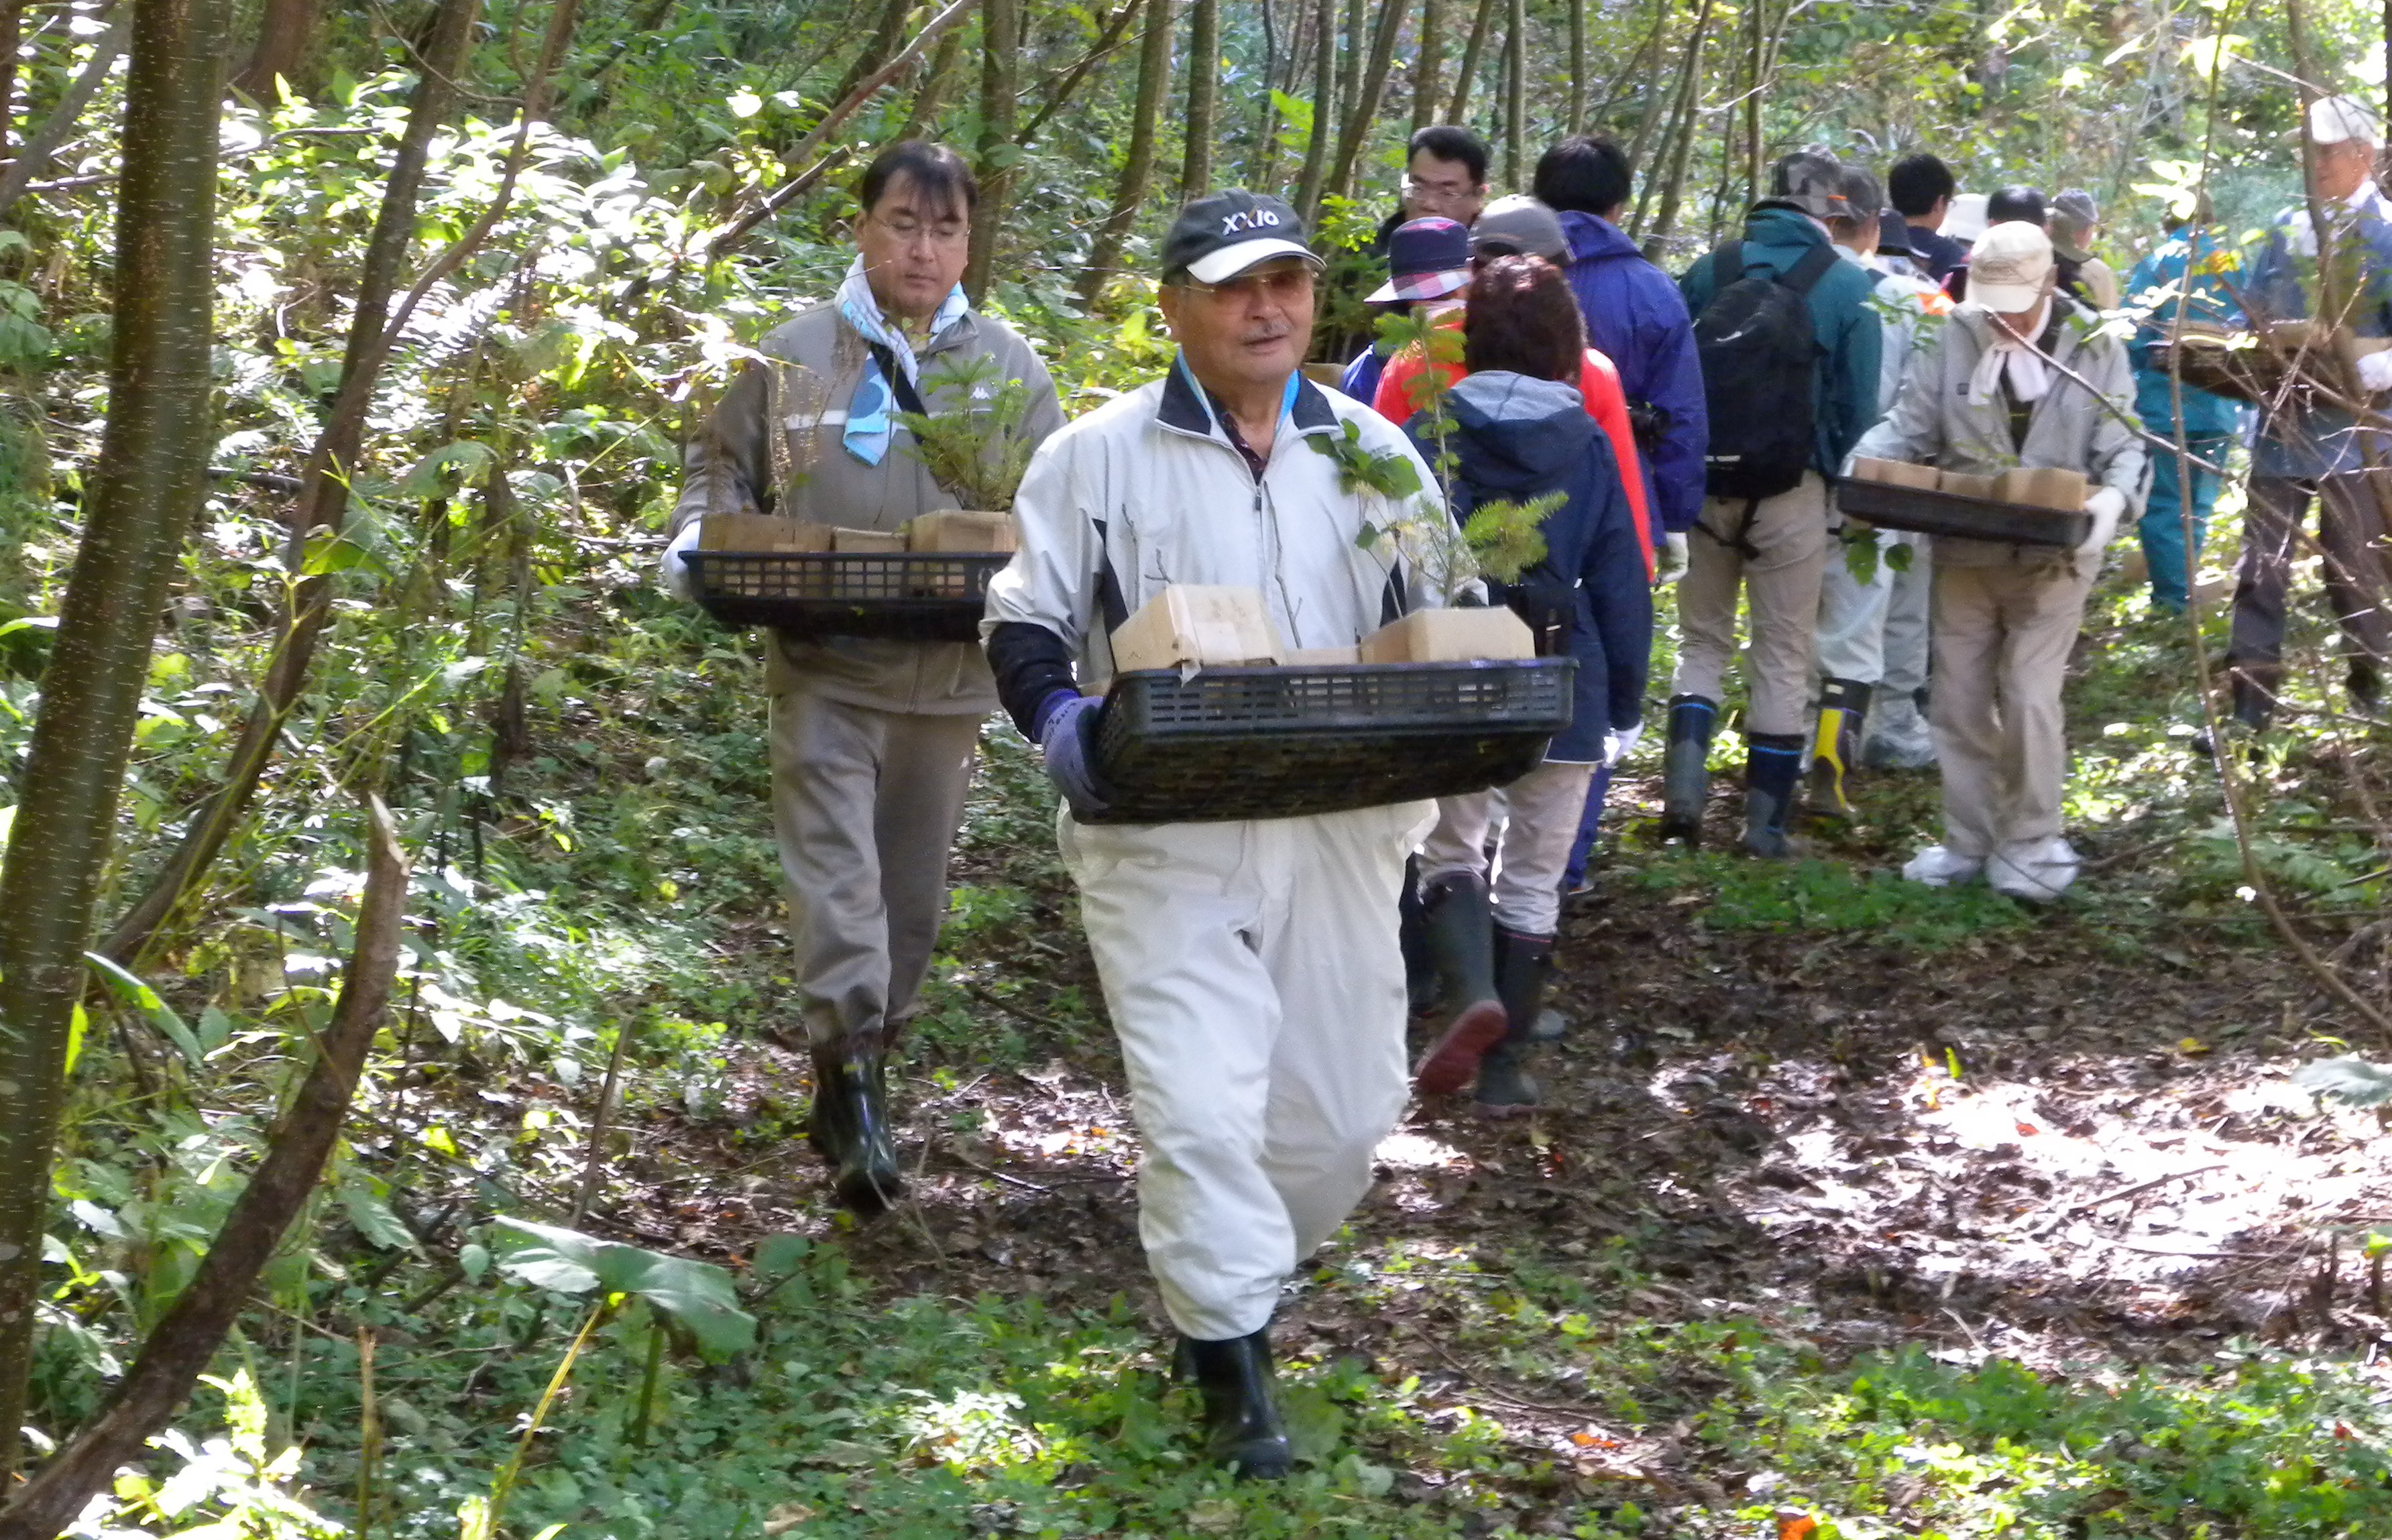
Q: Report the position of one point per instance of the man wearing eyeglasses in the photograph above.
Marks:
(1250, 968)
(872, 740)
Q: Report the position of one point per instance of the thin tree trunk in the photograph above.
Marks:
(1658, 97)
(1000, 72)
(1665, 150)
(1480, 25)
(1429, 61)
(1061, 95)
(1755, 63)
(323, 499)
(284, 29)
(1324, 110)
(922, 122)
(1684, 127)
(1264, 160)
(876, 51)
(1578, 67)
(1137, 163)
(1349, 62)
(1651, 44)
(148, 483)
(1374, 87)
(184, 1340)
(1204, 92)
(44, 140)
(1516, 95)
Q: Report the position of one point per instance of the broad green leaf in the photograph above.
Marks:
(141, 997)
(778, 1256)
(2351, 1080)
(694, 1293)
(376, 1219)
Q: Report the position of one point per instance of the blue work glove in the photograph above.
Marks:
(1067, 746)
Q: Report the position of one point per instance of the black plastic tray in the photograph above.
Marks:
(901, 596)
(1288, 742)
(1932, 512)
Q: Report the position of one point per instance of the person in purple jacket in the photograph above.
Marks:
(1636, 318)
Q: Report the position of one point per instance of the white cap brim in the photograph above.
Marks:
(2009, 298)
(1230, 261)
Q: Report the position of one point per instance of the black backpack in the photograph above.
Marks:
(1759, 352)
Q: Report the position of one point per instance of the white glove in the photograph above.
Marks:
(1672, 565)
(2107, 505)
(676, 571)
(2375, 371)
(1616, 744)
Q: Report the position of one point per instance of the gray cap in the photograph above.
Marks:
(2073, 214)
(1813, 181)
(1864, 192)
(1518, 225)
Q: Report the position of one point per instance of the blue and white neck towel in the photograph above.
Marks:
(869, 426)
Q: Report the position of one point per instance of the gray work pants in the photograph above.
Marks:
(866, 803)
(2350, 532)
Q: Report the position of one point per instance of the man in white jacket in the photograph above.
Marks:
(1250, 968)
(2019, 377)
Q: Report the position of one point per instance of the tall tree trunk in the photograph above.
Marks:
(323, 499)
(875, 50)
(1457, 110)
(1428, 62)
(1263, 160)
(1137, 164)
(12, 14)
(284, 30)
(1665, 149)
(1324, 111)
(1000, 74)
(1690, 96)
(1516, 94)
(194, 1326)
(1204, 93)
(148, 483)
(1578, 67)
(1349, 62)
(1375, 85)
(1660, 93)
(1060, 96)
(1753, 68)
(922, 121)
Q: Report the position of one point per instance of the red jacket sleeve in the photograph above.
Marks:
(1598, 382)
(1394, 400)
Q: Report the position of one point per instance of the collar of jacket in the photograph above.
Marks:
(1186, 409)
(962, 330)
(1591, 236)
(2058, 339)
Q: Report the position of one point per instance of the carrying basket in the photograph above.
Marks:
(1288, 742)
(1929, 512)
(2210, 360)
(896, 596)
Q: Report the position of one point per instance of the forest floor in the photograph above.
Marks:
(1856, 1209)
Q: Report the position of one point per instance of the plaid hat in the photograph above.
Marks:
(2334, 120)
(1429, 259)
(1517, 224)
(1813, 181)
(1222, 234)
(2010, 266)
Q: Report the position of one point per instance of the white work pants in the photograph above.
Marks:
(1856, 627)
(1545, 807)
(1254, 976)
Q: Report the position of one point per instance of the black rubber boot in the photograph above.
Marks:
(849, 1127)
(2253, 691)
(1411, 931)
(1461, 929)
(1685, 773)
(1523, 967)
(1836, 744)
(1241, 1424)
(1772, 769)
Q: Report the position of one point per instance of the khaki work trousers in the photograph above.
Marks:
(1777, 557)
(2351, 536)
(2002, 639)
(1543, 808)
(866, 803)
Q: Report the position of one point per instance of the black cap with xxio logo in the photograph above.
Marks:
(1222, 234)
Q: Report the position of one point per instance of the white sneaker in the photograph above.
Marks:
(1939, 866)
(2036, 870)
